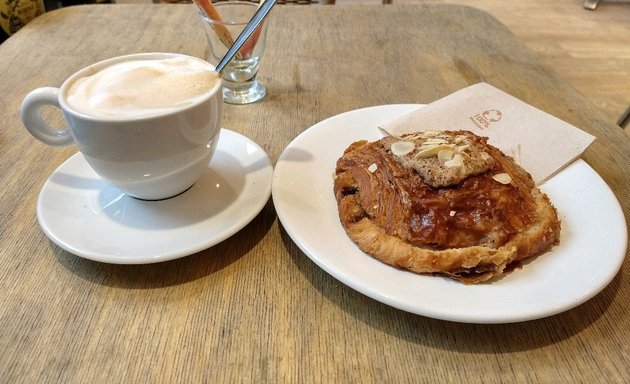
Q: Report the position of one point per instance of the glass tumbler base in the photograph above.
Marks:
(244, 95)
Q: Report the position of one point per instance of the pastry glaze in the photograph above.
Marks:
(470, 231)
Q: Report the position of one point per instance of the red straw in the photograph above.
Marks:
(211, 13)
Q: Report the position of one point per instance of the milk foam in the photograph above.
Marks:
(142, 87)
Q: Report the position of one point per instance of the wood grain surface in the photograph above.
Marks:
(254, 308)
(588, 49)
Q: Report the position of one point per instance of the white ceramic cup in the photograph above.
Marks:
(150, 157)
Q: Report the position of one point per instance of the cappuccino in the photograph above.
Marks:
(138, 88)
(147, 123)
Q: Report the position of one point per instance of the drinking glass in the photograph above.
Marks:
(240, 85)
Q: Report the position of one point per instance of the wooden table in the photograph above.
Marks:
(254, 308)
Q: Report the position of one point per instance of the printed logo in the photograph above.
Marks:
(484, 119)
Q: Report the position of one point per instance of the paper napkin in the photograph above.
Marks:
(539, 142)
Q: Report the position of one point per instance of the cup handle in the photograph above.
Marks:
(35, 124)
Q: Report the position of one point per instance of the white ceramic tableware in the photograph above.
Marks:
(151, 156)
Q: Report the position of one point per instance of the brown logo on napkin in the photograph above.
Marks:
(487, 117)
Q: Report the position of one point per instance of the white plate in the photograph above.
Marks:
(86, 216)
(592, 245)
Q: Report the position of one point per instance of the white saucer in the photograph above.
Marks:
(592, 245)
(86, 216)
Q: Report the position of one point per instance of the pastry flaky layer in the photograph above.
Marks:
(442, 202)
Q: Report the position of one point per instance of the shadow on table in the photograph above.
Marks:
(174, 272)
(474, 338)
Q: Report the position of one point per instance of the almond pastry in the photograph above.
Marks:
(442, 202)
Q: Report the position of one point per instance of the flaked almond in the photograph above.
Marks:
(456, 161)
(485, 156)
(451, 213)
(445, 155)
(435, 140)
(412, 136)
(433, 151)
(372, 168)
(502, 178)
(461, 139)
(401, 148)
(464, 147)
